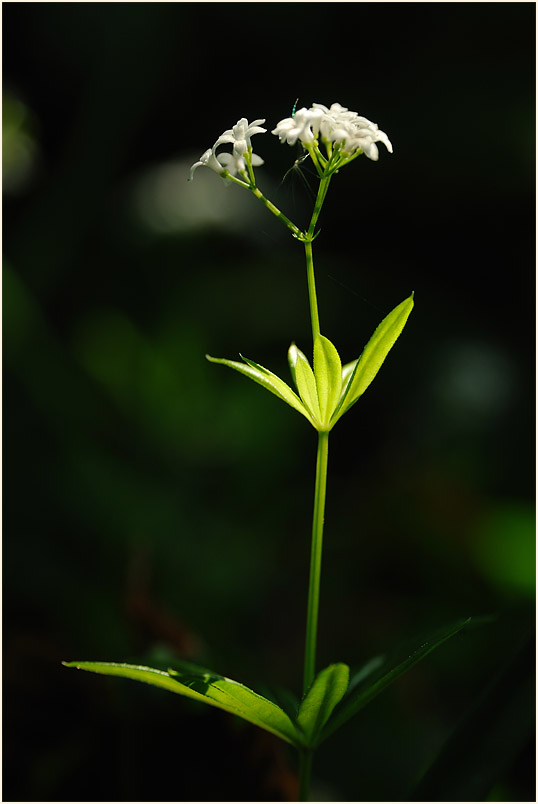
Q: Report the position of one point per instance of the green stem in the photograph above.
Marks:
(307, 239)
(228, 176)
(305, 769)
(315, 560)
(249, 167)
(314, 157)
(320, 198)
(275, 210)
(314, 315)
(305, 763)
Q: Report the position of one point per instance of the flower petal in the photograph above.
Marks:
(371, 151)
(226, 137)
(193, 168)
(382, 137)
(251, 130)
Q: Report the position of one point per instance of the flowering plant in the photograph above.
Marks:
(322, 392)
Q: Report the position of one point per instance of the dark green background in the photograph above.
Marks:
(156, 505)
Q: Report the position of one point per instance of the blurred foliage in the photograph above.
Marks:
(18, 145)
(135, 470)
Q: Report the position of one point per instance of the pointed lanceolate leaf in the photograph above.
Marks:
(373, 355)
(328, 373)
(500, 723)
(283, 697)
(326, 691)
(347, 371)
(362, 694)
(306, 384)
(211, 689)
(267, 379)
(360, 675)
(292, 362)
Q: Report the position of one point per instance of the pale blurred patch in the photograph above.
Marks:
(19, 146)
(475, 381)
(166, 203)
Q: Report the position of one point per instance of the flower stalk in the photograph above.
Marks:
(305, 772)
(296, 232)
(325, 392)
(315, 560)
(312, 296)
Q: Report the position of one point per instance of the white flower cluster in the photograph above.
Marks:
(234, 163)
(303, 125)
(336, 125)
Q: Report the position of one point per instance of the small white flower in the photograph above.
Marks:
(364, 134)
(236, 164)
(337, 112)
(304, 125)
(240, 135)
(230, 162)
(339, 124)
(208, 159)
(334, 120)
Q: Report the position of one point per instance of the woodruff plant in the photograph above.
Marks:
(331, 138)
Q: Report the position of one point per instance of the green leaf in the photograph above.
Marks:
(325, 692)
(347, 371)
(182, 667)
(305, 381)
(267, 379)
(292, 361)
(487, 742)
(373, 355)
(358, 676)
(328, 373)
(362, 694)
(209, 688)
(282, 697)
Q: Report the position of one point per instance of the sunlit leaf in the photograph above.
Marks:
(208, 688)
(347, 371)
(306, 383)
(362, 694)
(325, 692)
(267, 379)
(328, 374)
(292, 361)
(373, 355)
(282, 697)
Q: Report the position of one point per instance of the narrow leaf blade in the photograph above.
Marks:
(488, 740)
(283, 697)
(347, 371)
(328, 374)
(211, 689)
(267, 380)
(369, 667)
(326, 691)
(292, 361)
(241, 700)
(374, 354)
(306, 384)
(363, 694)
